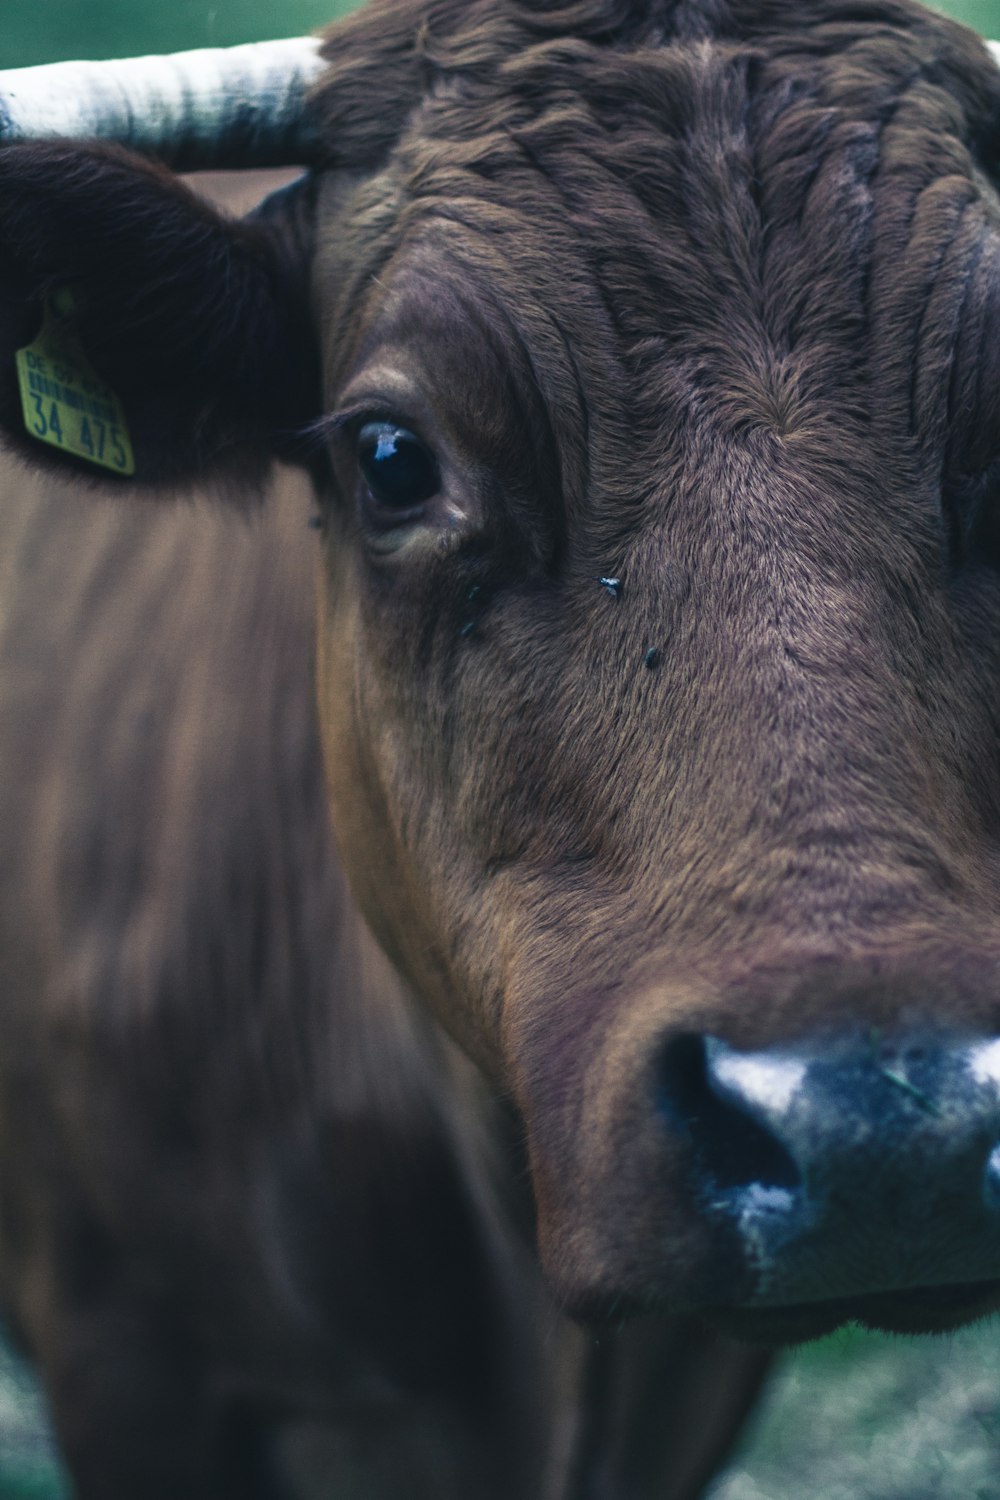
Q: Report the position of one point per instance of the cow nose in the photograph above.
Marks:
(863, 1165)
(734, 1105)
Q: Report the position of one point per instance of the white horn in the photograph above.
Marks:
(995, 49)
(222, 107)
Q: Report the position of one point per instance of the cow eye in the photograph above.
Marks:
(400, 471)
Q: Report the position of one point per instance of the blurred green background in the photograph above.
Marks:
(34, 31)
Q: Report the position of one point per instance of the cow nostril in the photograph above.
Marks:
(734, 1148)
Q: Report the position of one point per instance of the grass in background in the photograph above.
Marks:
(984, 15)
(865, 1416)
(53, 30)
(29, 1468)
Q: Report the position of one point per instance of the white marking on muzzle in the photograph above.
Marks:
(768, 1081)
(222, 107)
(983, 1062)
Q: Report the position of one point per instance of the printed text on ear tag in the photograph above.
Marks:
(63, 399)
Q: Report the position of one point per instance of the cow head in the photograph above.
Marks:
(645, 359)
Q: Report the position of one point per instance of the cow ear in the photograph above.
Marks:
(186, 332)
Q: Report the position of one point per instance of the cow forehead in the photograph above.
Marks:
(670, 245)
(492, 66)
(689, 222)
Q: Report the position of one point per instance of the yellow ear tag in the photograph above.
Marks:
(64, 401)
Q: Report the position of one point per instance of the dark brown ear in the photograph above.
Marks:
(197, 324)
(384, 57)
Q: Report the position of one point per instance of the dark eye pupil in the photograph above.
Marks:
(398, 469)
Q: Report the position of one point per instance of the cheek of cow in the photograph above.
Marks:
(503, 943)
(389, 811)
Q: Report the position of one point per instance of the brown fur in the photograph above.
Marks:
(701, 297)
(242, 1182)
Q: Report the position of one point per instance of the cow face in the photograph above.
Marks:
(659, 615)
(659, 650)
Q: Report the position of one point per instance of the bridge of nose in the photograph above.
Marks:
(862, 1165)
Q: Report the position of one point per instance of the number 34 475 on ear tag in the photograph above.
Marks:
(66, 403)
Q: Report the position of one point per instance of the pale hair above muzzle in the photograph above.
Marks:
(222, 107)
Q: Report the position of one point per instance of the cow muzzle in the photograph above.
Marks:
(860, 1179)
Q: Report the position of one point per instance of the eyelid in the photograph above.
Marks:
(348, 422)
(334, 423)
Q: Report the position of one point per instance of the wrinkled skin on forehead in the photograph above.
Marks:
(720, 325)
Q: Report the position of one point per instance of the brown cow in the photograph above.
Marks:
(655, 443)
